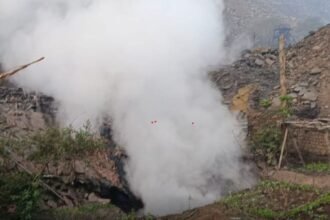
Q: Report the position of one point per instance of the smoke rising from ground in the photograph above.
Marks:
(137, 62)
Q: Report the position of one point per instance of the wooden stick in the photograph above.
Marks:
(282, 148)
(298, 151)
(282, 61)
(12, 72)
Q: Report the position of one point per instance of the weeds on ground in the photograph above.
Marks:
(256, 204)
(80, 212)
(318, 167)
(55, 143)
(315, 168)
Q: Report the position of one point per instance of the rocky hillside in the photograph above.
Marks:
(67, 174)
(258, 18)
(308, 73)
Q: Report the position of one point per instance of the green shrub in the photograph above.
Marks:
(56, 143)
(266, 143)
(265, 103)
(20, 191)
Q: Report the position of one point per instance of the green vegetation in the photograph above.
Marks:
(19, 195)
(130, 216)
(316, 168)
(265, 103)
(277, 200)
(95, 211)
(286, 110)
(56, 143)
(87, 211)
(266, 143)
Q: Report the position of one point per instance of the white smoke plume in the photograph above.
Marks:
(136, 61)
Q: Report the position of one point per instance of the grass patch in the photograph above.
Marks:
(87, 211)
(56, 143)
(278, 200)
(317, 167)
(91, 208)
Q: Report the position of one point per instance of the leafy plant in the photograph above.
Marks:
(286, 109)
(265, 103)
(21, 192)
(266, 143)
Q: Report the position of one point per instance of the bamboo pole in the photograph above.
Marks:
(12, 72)
(283, 147)
(282, 61)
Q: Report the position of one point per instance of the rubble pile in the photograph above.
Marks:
(309, 74)
(258, 67)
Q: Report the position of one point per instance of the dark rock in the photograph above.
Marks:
(307, 112)
(126, 201)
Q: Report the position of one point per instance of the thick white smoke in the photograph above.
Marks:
(137, 61)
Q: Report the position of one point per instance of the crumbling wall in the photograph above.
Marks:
(21, 112)
(310, 138)
(312, 141)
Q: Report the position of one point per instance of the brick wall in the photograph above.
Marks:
(310, 141)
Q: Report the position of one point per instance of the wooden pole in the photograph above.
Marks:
(12, 72)
(282, 61)
(283, 147)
